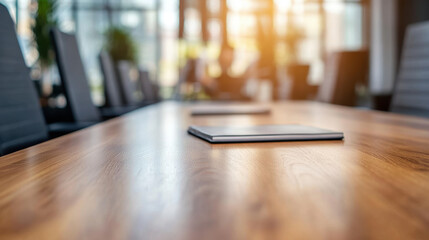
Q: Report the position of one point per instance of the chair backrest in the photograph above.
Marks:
(188, 74)
(343, 71)
(298, 73)
(149, 90)
(112, 91)
(73, 77)
(411, 94)
(128, 86)
(21, 120)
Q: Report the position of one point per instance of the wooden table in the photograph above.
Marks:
(142, 176)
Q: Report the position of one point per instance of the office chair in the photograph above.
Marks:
(73, 78)
(298, 73)
(128, 86)
(187, 75)
(111, 84)
(150, 90)
(411, 94)
(344, 71)
(21, 119)
(114, 105)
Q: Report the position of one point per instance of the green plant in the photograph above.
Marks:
(44, 20)
(120, 45)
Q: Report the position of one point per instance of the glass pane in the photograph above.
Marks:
(154, 27)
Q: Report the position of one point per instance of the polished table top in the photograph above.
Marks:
(142, 176)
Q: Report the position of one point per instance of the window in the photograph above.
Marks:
(326, 26)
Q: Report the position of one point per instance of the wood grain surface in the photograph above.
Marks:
(142, 176)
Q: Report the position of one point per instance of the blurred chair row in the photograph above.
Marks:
(119, 88)
(347, 69)
(22, 123)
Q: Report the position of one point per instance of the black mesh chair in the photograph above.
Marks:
(114, 105)
(150, 90)
(21, 120)
(344, 71)
(298, 74)
(111, 84)
(411, 95)
(128, 86)
(73, 78)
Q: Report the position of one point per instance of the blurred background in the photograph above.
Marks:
(339, 51)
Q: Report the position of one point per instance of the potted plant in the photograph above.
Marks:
(123, 51)
(44, 20)
(120, 45)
